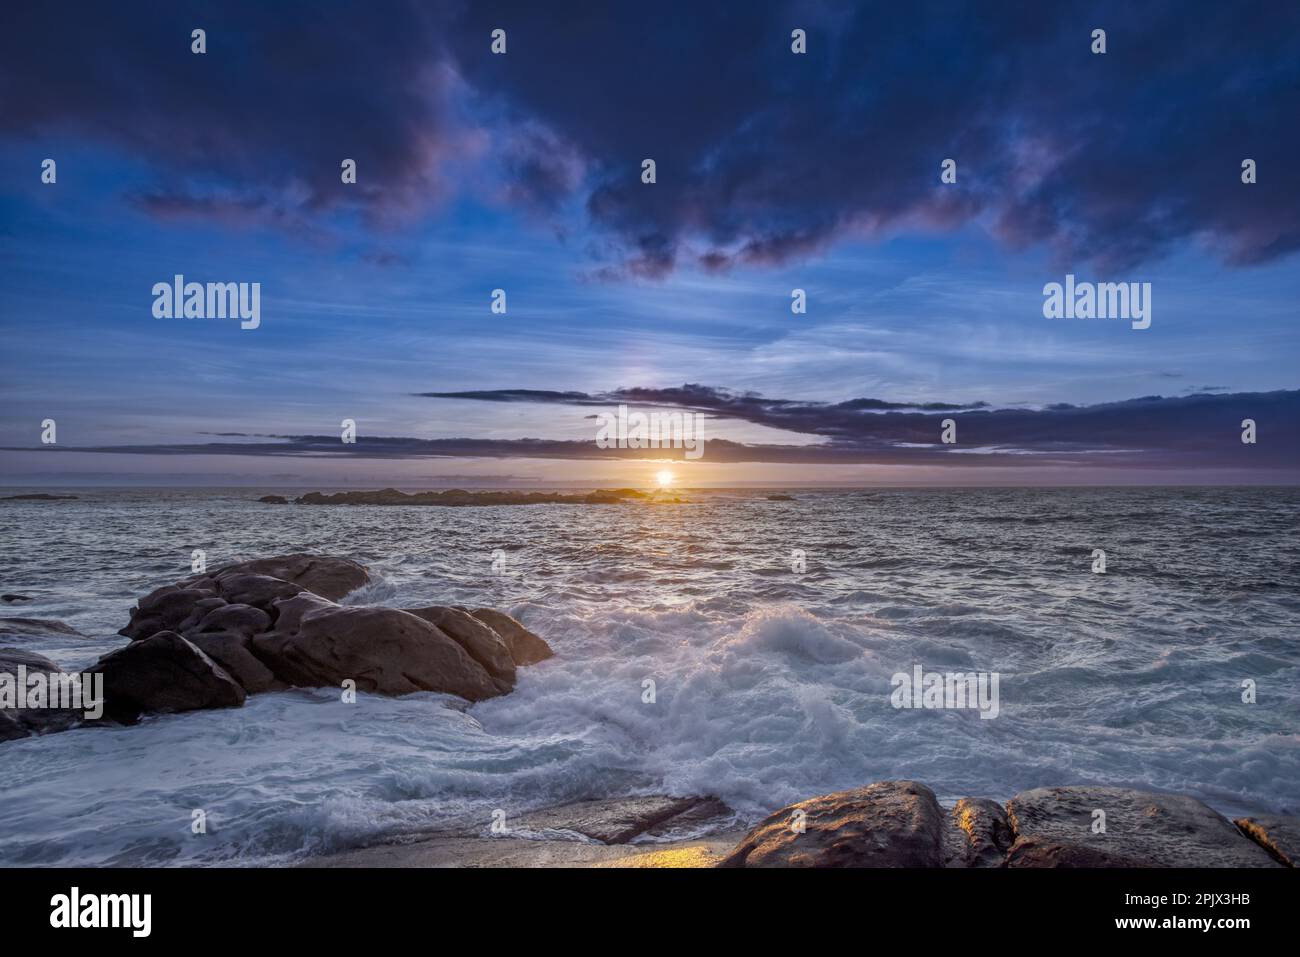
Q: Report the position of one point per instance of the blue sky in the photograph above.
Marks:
(223, 167)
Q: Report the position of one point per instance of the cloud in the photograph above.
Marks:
(1153, 432)
(764, 157)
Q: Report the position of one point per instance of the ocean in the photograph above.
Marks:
(770, 684)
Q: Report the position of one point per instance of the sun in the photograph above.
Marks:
(665, 478)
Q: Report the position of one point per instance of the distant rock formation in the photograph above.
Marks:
(459, 496)
(274, 500)
(37, 497)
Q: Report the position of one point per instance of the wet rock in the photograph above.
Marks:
(164, 673)
(38, 497)
(887, 824)
(383, 650)
(231, 651)
(1150, 830)
(526, 648)
(23, 722)
(481, 643)
(978, 834)
(612, 821)
(1278, 835)
(8, 598)
(37, 628)
(274, 500)
(243, 619)
(1036, 852)
(323, 575)
(164, 609)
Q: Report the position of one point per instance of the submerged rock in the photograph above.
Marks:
(274, 500)
(37, 628)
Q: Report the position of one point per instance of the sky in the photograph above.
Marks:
(774, 171)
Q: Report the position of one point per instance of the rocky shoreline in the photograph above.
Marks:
(883, 825)
(213, 638)
(210, 640)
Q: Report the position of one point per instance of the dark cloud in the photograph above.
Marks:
(763, 156)
(1185, 432)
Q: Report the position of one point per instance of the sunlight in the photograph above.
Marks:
(665, 478)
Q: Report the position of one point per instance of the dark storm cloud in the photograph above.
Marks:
(763, 156)
(1198, 431)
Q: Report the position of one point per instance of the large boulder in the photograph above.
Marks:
(1142, 829)
(161, 674)
(231, 650)
(886, 824)
(23, 722)
(385, 650)
(481, 643)
(526, 648)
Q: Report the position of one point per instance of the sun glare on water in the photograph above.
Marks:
(665, 478)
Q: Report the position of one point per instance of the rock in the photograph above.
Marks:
(978, 834)
(38, 497)
(24, 722)
(323, 575)
(482, 643)
(164, 609)
(1036, 852)
(780, 498)
(37, 628)
(612, 821)
(231, 651)
(243, 619)
(259, 591)
(15, 598)
(383, 649)
(1149, 830)
(1278, 835)
(887, 824)
(274, 500)
(525, 647)
(706, 816)
(164, 673)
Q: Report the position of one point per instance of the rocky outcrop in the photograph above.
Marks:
(1278, 835)
(1147, 829)
(273, 500)
(900, 824)
(163, 674)
(887, 824)
(275, 623)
